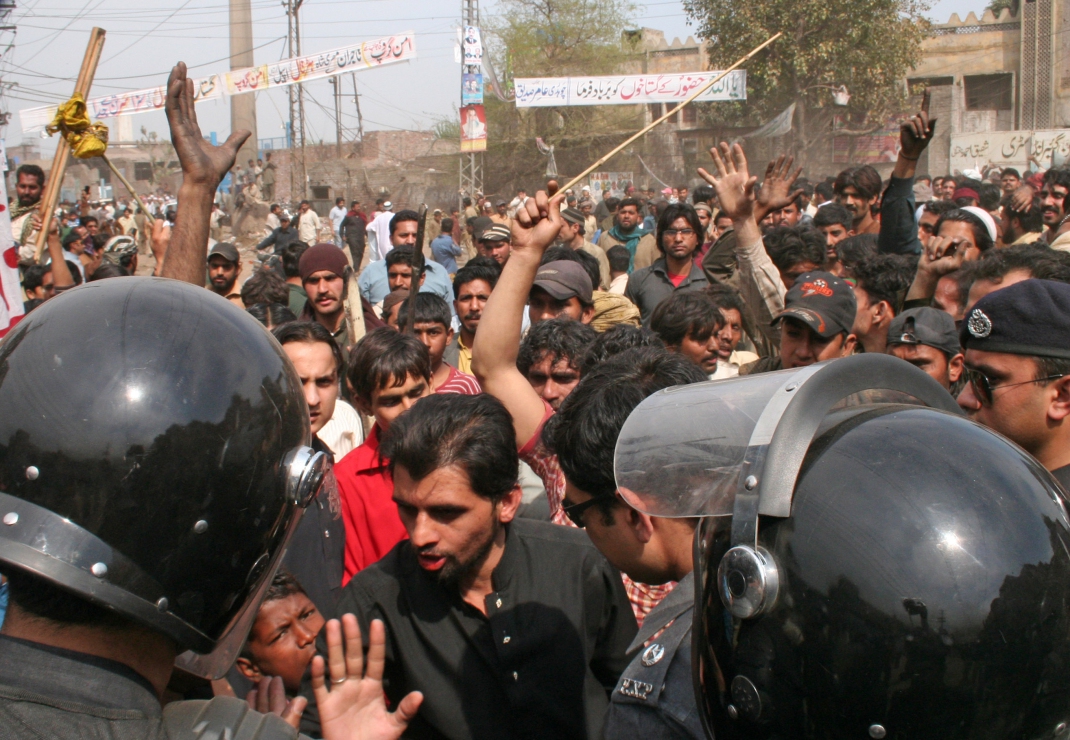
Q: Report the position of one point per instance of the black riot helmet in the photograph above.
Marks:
(153, 458)
(868, 567)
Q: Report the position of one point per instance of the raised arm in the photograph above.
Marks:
(203, 168)
(760, 284)
(497, 343)
(899, 230)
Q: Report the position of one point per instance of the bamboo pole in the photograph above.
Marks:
(129, 187)
(574, 181)
(63, 150)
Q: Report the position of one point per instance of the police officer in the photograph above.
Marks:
(1017, 342)
(154, 463)
(654, 697)
(870, 569)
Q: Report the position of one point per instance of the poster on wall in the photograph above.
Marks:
(615, 183)
(539, 92)
(473, 129)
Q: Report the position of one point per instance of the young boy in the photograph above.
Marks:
(388, 373)
(433, 327)
(689, 323)
(282, 641)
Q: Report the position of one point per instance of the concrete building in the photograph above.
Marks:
(1000, 85)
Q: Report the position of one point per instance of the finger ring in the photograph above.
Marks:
(337, 681)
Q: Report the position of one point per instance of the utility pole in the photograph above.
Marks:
(360, 119)
(337, 116)
(298, 176)
(243, 107)
(471, 162)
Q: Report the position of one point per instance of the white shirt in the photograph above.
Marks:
(344, 432)
(379, 228)
(619, 284)
(308, 227)
(272, 221)
(730, 369)
(336, 215)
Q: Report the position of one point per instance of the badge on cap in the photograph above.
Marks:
(653, 654)
(979, 325)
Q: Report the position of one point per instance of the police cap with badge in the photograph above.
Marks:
(869, 564)
(1031, 317)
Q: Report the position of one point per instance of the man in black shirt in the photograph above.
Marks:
(510, 628)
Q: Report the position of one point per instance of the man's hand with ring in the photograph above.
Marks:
(355, 708)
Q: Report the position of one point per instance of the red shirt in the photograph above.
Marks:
(373, 526)
(677, 279)
(459, 382)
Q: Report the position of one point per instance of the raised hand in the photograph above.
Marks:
(354, 708)
(776, 191)
(733, 181)
(269, 697)
(1022, 199)
(915, 134)
(202, 163)
(537, 223)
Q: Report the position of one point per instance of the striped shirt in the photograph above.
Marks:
(459, 382)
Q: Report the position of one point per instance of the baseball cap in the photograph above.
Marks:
(1028, 318)
(564, 279)
(572, 215)
(823, 302)
(929, 326)
(495, 233)
(226, 250)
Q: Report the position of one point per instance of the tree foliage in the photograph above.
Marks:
(552, 38)
(867, 45)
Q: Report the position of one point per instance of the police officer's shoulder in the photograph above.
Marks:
(223, 716)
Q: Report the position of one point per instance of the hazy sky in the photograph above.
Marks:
(146, 38)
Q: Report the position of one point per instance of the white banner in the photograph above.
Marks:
(11, 308)
(376, 53)
(1010, 149)
(34, 120)
(627, 89)
(368, 54)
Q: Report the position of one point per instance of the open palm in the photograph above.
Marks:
(732, 181)
(354, 707)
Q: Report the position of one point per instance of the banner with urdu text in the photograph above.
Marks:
(365, 55)
(627, 89)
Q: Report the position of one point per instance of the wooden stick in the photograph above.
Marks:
(63, 151)
(129, 187)
(574, 181)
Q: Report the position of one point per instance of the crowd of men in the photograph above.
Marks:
(471, 386)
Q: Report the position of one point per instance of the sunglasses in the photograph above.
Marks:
(982, 386)
(575, 511)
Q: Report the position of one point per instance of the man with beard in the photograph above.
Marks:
(510, 627)
(859, 191)
(29, 185)
(628, 233)
(224, 267)
(1053, 208)
(324, 270)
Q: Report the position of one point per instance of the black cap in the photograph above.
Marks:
(479, 223)
(823, 302)
(1028, 318)
(564, 279)
(928, 326)
(495, 233)
(226, 250)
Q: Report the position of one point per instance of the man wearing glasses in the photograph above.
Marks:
(1017, 343)
(679, 235)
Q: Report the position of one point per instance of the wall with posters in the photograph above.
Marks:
(614, 182)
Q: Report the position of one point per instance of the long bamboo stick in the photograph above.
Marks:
(574, 181)
(63, 150)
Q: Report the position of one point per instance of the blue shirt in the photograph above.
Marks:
(444, 251)
(375, 285)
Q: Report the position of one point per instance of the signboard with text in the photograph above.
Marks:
(613, 182)
(1010, 149)
(627, 89)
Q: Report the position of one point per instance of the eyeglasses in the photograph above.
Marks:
(982, 386)
(575, 511)
(671, 233)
